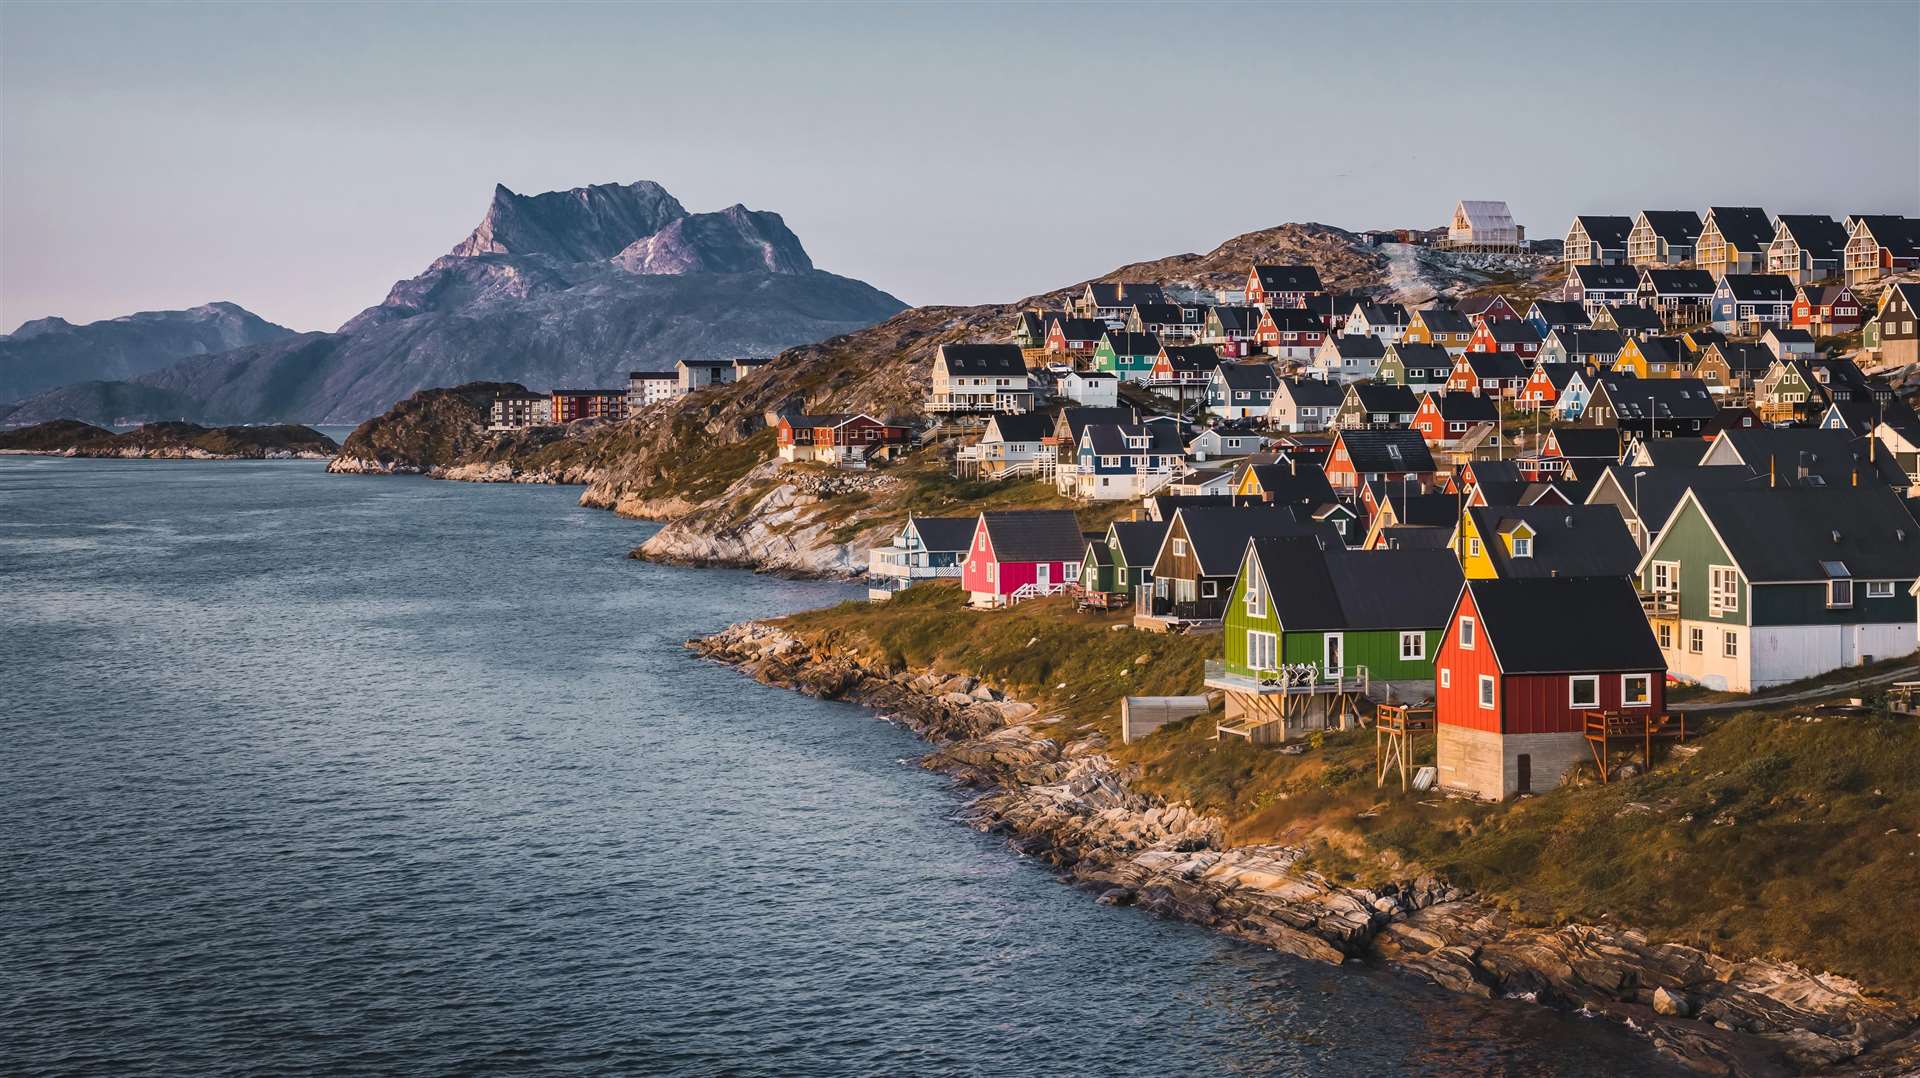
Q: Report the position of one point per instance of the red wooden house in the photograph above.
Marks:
(1390, 455)
(1021, 554)
(1488, 309)
(1489, 374)
(1290, 332)
(1514, 337)
(1282, 286)
(837, 438)
(1074, 336)
(1826, 310)
(1524, 665)
(1446, 418)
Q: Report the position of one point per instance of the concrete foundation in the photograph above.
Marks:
(1488, 765)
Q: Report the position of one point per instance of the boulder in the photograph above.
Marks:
(1672, 1004)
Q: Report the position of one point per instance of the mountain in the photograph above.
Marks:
(562, 289)
(49, 352)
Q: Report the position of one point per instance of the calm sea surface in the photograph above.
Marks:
(308, 774)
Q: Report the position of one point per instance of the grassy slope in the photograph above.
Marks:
(1778, 836)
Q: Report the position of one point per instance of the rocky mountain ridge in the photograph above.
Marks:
(48, 352)
(563, 289)
(169, 441)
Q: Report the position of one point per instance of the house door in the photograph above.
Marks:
(1333, 656)
(1043, 577)
(1523, 782)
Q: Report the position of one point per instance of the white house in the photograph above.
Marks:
(980, 378)
(1348, 359)
(1302, 405)
(1091, 389)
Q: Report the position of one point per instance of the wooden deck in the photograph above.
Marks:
(1606, 729)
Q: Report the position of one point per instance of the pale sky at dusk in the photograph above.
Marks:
(298, 160)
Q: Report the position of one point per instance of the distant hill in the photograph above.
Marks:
(50, 352)
(563, 289)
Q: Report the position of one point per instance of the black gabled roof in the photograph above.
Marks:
(1034, 535)
(1110, 439)
(1678, 282)
(1610, 278)
(1560, 312)
(1385, 314)
(1781, 534)
(1497, 364)
(1097, 550)
(1759, 287)
(1254, 376)
(1744, 356)
(1834, 456)
(1416, 354)
(1587, 342)
(1234, 318)
(1139, 540)
(1311, 392)
(1359, 346)
(1569, 540)
(1124, 343)
(1382, 397)
(1898, 234)
(1513, 331)
(1605, 230)
(1218, 535)
(1078, 419)
(1466, 407)
(1328, 587)
(1816, 233)
(944, 533)
(1638, 399)
(1293, 483)
(1662, 349)
(1388, 449)
(1160, 313)
(1566, 625)
(1745, 227)
(1634, 316)
(1674, 226)
(1295, 320)
(1587, 443)
(1426, 510)
(983, 359)
(1445, 320)
(1025, 427)
(1078, 329)
(1288, 278)
(1661, 486)
(1417, 537)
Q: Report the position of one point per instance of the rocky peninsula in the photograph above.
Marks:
(169, 441)
(1075, 807)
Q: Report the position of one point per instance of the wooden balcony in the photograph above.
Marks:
(1607, 729)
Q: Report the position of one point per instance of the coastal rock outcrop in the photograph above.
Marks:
(1071, 806)
(169, 441)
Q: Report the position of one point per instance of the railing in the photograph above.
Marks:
(1291, 679)
(980, 402)
(896, 562)
(1661, 604)
(1035, 591)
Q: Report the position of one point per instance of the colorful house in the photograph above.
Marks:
(1305, 617)
(1523, 665)
(1348, 359)
(1651, 407)
(1881, 244)
(1441, 326)
(1304, 404)
(1282, 286)
(1285, 482)
(1651, 357)
(1595, 239)
(1734, 239)
(1663, 238)
(1489, 374)
(1750, 302)
(1548, 315)
(1806, 247)
(1595, 286)
(1754, 587)
(1375, 404)
(1241, 390)
(1582, 347)
(1198, 559)
(1826, 310)
(1118, 461)
(837, 439)
(1385, 455)
(1290, 333)
(1120, 561)
(1073, 336)
(1680, 296)
(1387, 321)
(1021, 554)
(1417, 366)
(1447, 419)
(1899, 337)
(1548, 538)
(1127, 356)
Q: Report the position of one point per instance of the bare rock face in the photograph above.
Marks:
(568, 289)
(582, 225)
(50, 352)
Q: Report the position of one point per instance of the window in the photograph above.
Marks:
(1466, 634)
(1696, 640)
(1666, 636)
(1636, 690)
(1209, 589)
(1473, 549)
(1446, 678)
(1666, 574)
(1486, 691)
(1256, 600)
(1413, 645)
(1729, 644)
(1583, 692)
(1840, 592)
(1179, 548)
(1879, 589)
(1723, 589)
(1522, 547)
(1262, 651)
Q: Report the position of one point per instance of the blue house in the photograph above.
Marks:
(1750, 302)
(1127, 460)
(1241, 390)
(1572, 403)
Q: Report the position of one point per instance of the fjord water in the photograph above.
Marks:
(311, 774)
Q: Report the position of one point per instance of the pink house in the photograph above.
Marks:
(1021, 554)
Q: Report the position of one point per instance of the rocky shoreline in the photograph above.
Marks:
(1071, 806)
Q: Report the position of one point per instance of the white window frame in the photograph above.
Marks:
(1489, 693)
(1522, 546)
(1729, 644)
(1723, 589)
(1413, 646)
(1466, 634)
(1666, 635)
(1879, 589)
(1696, 640)
(1179, 548)
(1591, 682)
(1262, 645)
(1256, 599)
(1669, 570)
(1209, 589)
(1646, 691)
(1446, 678)
(1473, 548)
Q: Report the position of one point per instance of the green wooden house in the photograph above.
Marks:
(1121, 560)
(1749, 587)
(1298, 603)
(1127, 356)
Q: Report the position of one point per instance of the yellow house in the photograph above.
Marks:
(1476, 561)
(1447, 328)
(1651, 357)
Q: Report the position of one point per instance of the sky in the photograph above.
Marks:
(298, 160)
